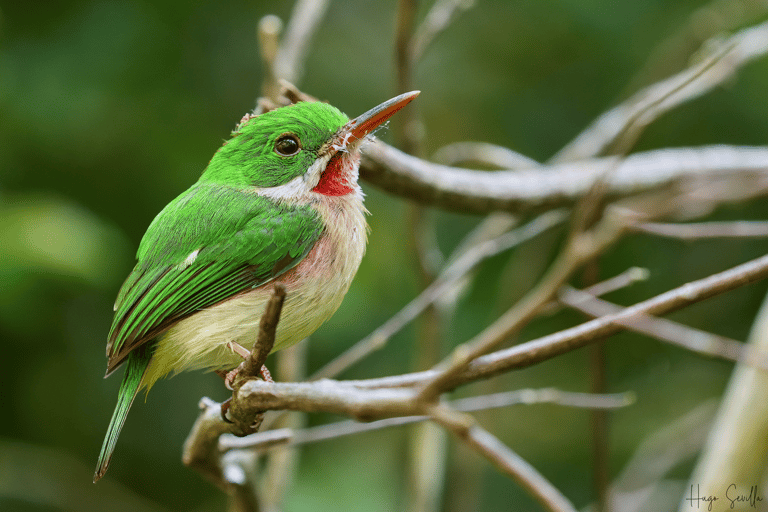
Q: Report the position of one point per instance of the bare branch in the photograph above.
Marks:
(305, 18)
(501, 456)
(524, 190)
(292, 437)
(200, 446)
(484, 153)
(538, 350)
(447, 279)
(437, 20)
(651, 102)
(247, 420)
(697, 231)
(581, 247)
(689, 338)
(267, 330)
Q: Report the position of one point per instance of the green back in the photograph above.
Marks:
(243, 241)
(220, 238)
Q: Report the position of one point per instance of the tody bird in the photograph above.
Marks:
(278, 202)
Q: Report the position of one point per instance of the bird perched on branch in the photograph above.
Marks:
(278, 202)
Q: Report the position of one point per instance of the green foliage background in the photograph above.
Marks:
(110, 109)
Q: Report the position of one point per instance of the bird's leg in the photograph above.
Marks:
(238, 349)
(229, 377)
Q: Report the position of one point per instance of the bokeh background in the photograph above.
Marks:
(110, 109)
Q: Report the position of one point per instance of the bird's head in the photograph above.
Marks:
(297, 151)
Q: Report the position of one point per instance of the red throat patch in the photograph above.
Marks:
(333, 180)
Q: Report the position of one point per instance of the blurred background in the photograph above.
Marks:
(108, 110)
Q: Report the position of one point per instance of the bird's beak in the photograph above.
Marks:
(362, 125)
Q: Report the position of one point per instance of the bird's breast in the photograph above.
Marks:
(315, 289)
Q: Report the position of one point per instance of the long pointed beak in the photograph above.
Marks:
(363, 124)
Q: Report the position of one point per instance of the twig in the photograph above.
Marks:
(524, 190)
(291, 437)
(630, 276)
(200, 446)
(484, 153)
(447, 278)
(281, 464)
(541, 349)
(696, 231)
(437, 20)
(267, 330)
(247, 420)
(305, 18)
(580, 248)
(544, 348)
(501, 456)
(731, 55)
(658, 454)
(662, 329)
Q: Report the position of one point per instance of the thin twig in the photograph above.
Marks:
(447, 279)
(267, 330)
(483, 153)
(437, 20)
(549, 346)
(246, 420)
(697, 231)
(293, 437)
(730, 56)
(501, 456)
(305, 18)
(581, 247)
(662, 329)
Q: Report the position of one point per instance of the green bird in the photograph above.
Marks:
(278, 202)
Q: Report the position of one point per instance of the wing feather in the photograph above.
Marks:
(210, 244)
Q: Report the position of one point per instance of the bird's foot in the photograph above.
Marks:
(265, 374)
(238, 349)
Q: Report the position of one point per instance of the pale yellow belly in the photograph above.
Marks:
(315, 289)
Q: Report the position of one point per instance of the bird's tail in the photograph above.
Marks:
(137, 363)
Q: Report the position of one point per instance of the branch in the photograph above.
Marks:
(580, 248)
(444, 282)
(665, 330)
(550, 186)
(697, 231)
(305, 18)
(507, 461)
(247, 421)
(484, 153)
(544, 348)
(651, 102)
(292, 437)
(437, 20)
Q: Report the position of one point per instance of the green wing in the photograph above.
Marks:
(209, 244)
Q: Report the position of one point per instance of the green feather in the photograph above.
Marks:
(242, 240)
(137, 364)
(249, 159)
(218, 239)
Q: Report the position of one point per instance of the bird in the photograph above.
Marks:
(279, 202)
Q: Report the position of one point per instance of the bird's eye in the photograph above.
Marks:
(287, 145)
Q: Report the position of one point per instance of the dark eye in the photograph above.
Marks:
(287, 145)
